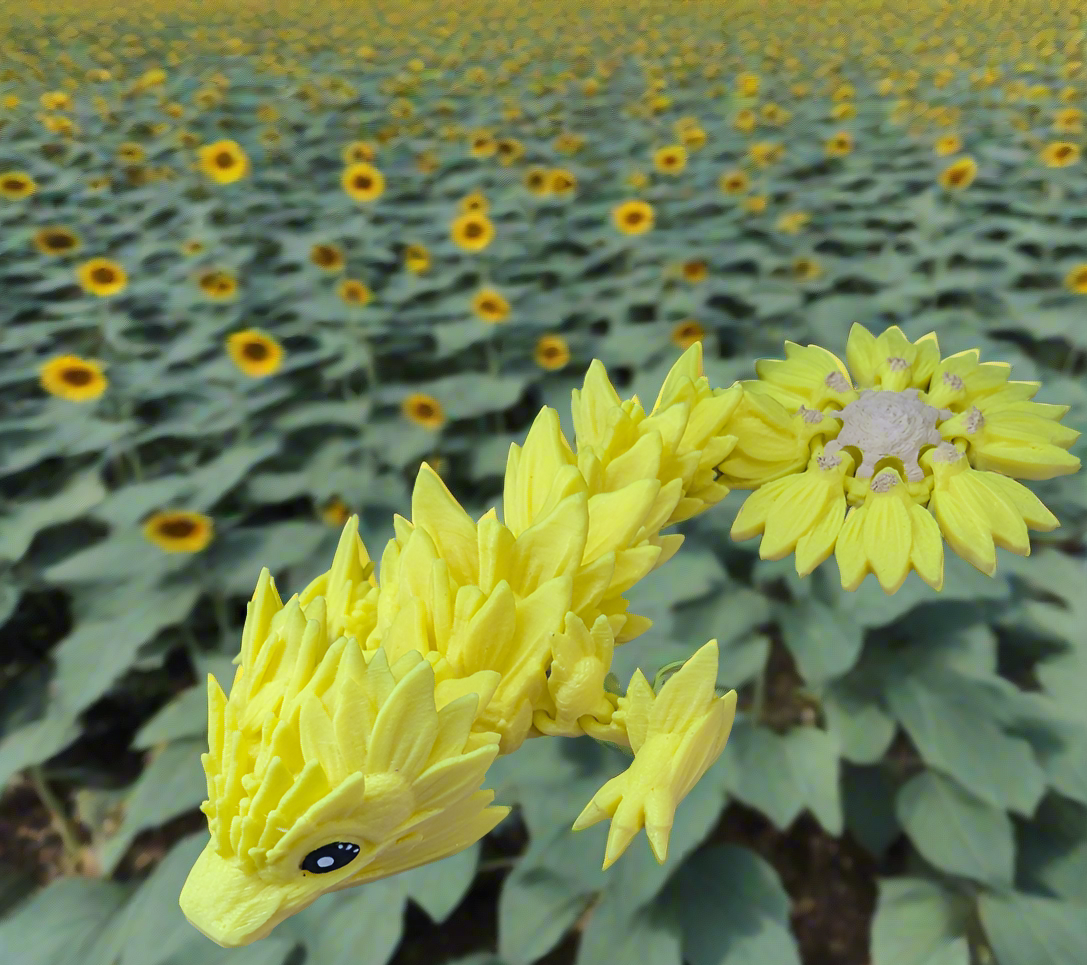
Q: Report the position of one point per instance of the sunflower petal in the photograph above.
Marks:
(967, 534)
(817, 544)
(849, 550)
(1006, 525)
(887, 539)
(794, 513)
(1035, 462)
(927, 552)
(751, 519)
(862, 355)
(1033, 511)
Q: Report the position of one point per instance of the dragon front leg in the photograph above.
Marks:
(675, 735)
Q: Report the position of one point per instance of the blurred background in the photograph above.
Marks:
(259, 261)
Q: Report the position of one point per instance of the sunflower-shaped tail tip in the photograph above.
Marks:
(676, 736)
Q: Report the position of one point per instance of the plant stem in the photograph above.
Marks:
(63, 826)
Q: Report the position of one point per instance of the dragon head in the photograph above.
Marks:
(330, 766)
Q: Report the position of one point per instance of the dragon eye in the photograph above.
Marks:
(330, 857)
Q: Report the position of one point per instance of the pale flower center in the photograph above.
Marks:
(884, 424)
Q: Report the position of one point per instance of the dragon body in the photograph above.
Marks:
(363, 715)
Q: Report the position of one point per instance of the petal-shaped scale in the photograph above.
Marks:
(966, 532)
(453, 532)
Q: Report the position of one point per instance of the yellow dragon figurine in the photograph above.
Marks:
(363, 718)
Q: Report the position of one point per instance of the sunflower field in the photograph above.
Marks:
(273, 270)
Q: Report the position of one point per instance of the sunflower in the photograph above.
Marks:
(793, 222)
(335, 512)
(73, 378)
(537, 182)
(56, 101)
(354, 292)
(192, 247)
(839, 145)
(131, 153)
(633, 217)
(179, 531)
(775, 114)
(219, 285)
(359, 152)
(424, 410)
(1068, 120)
(98, 184)
(102, 277)
(805, 269)
(948, 144)
(56, 240)
(843, 112)
(474, 202)
(552, 353)
(472, 232)
(481, 144)
(223, 161)
(734, 182)
(693, 138)
(756, 204)
(15, 185)
(327, 257)
(877, 462)
(509, 150)
(1060, 154)
(959, 175)
(363, 182)
(670, 160)
(1076, 280)
(694, 271)
(685, 334)
(637, 180)
(765, 153)
(490, 306)
(562, 183)
(747, 84)
(416, 259)
(744, 121)
(254, 352)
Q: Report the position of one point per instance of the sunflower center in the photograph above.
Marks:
(363, 182)
(11, 184)
(634, 217)
(883, 423)
(424, 409)
(473, 230)
(76, 377)
(103, 276)
(58, 240)
(324, 255)
(256, 351)
(177, 528)
(224, 159)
